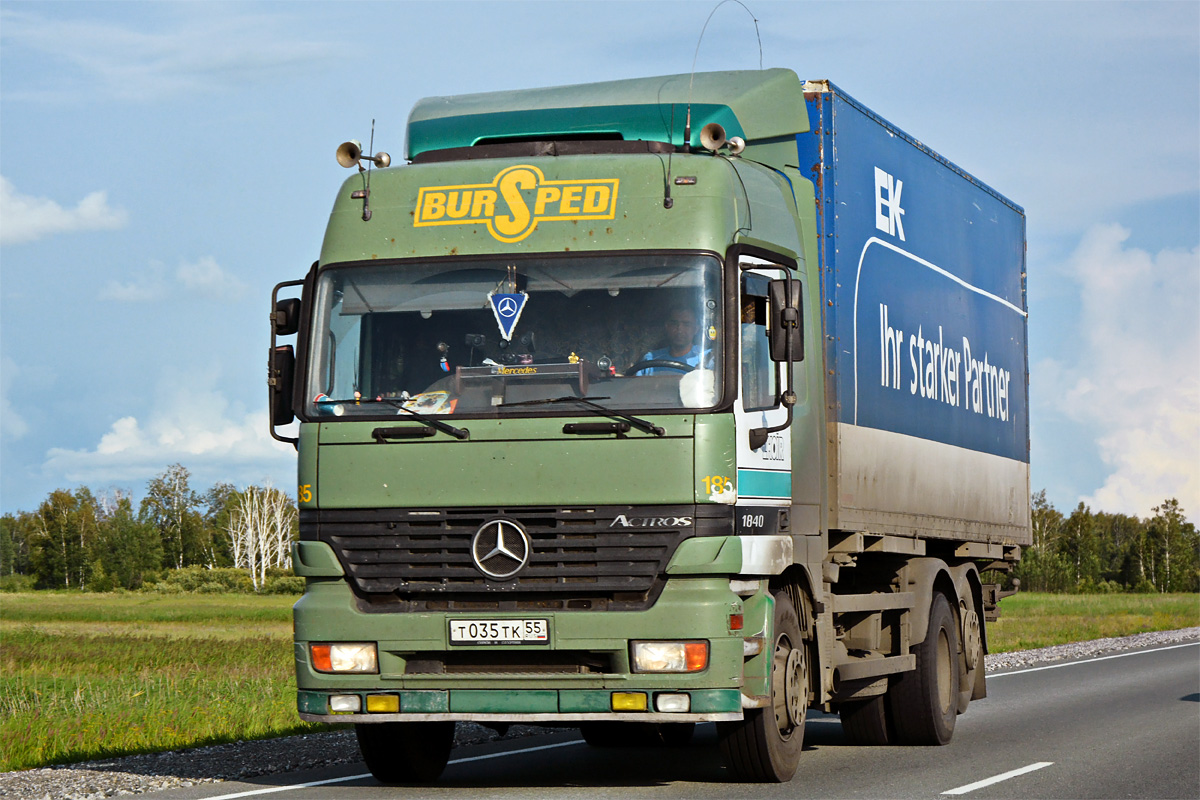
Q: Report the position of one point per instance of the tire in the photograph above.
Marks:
(865, 722)
(764, 747)
(405, 752)
(924, 702)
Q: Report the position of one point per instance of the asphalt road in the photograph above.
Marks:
(1126, 725)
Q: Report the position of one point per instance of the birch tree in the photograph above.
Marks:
(61, 535)
(260, 531)
(170, 505)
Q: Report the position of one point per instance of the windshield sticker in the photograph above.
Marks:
(431, 403)
(516, 200)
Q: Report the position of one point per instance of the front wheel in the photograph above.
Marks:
(405, 752)
(764, 747)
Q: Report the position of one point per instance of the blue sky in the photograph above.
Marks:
(163, 165)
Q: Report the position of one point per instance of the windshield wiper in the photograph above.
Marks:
(444, 427)
(457, 433)
(637, 422)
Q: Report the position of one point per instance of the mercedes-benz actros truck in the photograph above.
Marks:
(635, 405)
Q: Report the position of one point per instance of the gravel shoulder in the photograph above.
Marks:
(92, 780)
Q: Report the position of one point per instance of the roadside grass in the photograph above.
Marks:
(89, 676)
(222, 616)
(1034, 619)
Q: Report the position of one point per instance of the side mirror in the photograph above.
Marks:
(285, 319)
(281, 369)
(787, 320)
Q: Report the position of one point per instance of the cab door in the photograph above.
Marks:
(764, 472)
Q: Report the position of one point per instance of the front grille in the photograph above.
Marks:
(581, 558)
(508, 662)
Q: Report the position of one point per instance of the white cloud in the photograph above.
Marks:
(202, 278)
(193, 424)
(1155, 459)
(12, 425)
(144, 288)
(196, 49)
(207, 278)
(1135, 383)
(24, 218)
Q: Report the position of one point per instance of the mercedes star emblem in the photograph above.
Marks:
(507, 307)
(500, 549)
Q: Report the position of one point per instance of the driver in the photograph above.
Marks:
(683, 334)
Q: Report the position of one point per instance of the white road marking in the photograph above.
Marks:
(274, 789)
(348, 778)
(514, 752)
(1090, 660)
(970, 787)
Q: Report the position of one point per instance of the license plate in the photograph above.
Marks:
(499, 631)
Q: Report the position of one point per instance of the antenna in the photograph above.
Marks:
(668, 202)
(366, 215)
(687, 126)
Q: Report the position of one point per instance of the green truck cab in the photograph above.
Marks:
(571, 449)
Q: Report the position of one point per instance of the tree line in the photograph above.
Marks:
(99, 542)
(81, 540)
(1087, 551)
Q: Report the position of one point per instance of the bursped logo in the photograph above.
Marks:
(651, 522)
(515, 202)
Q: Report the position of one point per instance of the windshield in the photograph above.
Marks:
(479, 336)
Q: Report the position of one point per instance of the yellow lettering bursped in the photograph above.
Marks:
(515, 202)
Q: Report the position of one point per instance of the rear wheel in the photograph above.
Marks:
(972, 656)
(865, 722)
(405, 752)
(924, 702)
(764, 746)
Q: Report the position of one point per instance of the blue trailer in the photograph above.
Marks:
(923, 289)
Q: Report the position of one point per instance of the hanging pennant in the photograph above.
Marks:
(507, 305)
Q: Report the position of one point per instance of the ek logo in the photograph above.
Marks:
(887, 194)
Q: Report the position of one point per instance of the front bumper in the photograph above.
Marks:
(542, 706)
(688, 608)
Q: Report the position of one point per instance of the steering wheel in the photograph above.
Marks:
(650, 363)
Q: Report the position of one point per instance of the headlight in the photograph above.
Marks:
(670, 656)
(354, 657)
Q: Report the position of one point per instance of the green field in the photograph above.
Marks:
(86, 676)
(1030, 619)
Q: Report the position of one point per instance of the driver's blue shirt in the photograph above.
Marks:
(692, 358)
